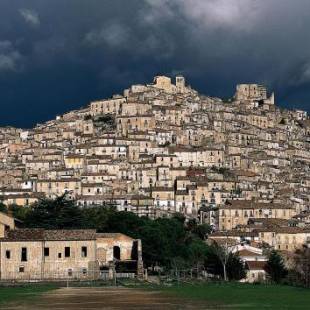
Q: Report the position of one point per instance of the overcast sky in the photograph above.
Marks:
(58, 55)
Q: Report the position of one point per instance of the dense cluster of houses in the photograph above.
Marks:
(240, 165)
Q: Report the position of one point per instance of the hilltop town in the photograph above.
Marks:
(241, 166)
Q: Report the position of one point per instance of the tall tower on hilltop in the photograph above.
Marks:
(180, 83)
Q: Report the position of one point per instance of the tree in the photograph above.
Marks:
(3, 208)
(97, 217)
(302, 267)
(174, 237)
(221, 261)
(180, 217)
(235, 268)
(18, 212)
(155, 246)
(202, 231)
(125, 222)
(191, 225)
(197, 254)
(275, 267)
(222, 253)
(59, 213)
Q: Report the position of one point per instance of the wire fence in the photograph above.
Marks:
(68, 275)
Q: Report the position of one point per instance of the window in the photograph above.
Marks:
(46, 252)
(59, 255)
(21, 269)
(84, 251)
(70, 272)
(24, 255)
(8, 254)
(67, 251)
(84, 271)
(116, 252)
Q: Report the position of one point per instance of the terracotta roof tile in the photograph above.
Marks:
(39, 234)
(256, 265)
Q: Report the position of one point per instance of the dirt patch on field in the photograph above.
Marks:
(104, 298)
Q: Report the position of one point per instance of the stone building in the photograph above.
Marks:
(286, 238)
(110, 106)
(236, 213)
(38, 254)
(253, 93)
(6, 223)
(250, 92)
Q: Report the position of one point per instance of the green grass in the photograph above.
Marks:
(244, 296)
(23, 292)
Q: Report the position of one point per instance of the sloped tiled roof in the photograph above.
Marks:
(38, 234)
(256, 265)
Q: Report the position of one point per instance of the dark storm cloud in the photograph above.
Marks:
(58, 55)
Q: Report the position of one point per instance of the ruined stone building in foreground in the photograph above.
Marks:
(40, 254)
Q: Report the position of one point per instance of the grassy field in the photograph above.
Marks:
(213, 295)
(16, 293)
(245, 296)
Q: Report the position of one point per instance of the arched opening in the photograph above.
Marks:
(116, 252)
